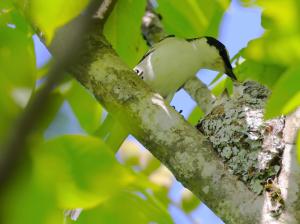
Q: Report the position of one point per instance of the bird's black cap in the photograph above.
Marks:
(224, 54)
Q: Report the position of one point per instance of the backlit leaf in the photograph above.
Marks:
(112, 132)
(27, 201)
(189, 202)
(281, 43)
(126, 207)
(195, 116)
(17, 67)
(123, 30)
(48, 15)
(80, 169)
(285, 90)
(192, 18)
(86, 108)
(266, 74)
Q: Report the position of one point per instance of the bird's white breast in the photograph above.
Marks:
(170, 65)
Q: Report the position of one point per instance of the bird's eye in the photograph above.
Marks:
(137, 71)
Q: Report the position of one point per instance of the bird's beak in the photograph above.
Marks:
(230, 73)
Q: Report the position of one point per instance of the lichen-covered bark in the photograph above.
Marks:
(182, 148)
(289, 177)
(248, 145)
(259, 152)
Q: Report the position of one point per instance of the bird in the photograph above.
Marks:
(171, 62)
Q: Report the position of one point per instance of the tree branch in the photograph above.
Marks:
(184, 150)
(179, 146)
(200, 93)
(105, 10)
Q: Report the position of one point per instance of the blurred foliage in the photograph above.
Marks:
(266, 74)
(54, 104)
(279, 49)
(285, 97)
(123, 30)
(189, 201)
(195, 116)
(72, 171)
(17, 65)
(29, 201)
(281, 42)
(76, 168)
(112, 132)
(50, 15)
(223, 86)
(83, 103)
(126, 207)
(192, 18)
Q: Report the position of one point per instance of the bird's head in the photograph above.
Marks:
(214, 54)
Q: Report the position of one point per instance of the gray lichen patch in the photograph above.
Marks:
(250, 146)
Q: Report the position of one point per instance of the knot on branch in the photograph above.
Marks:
(248, 145)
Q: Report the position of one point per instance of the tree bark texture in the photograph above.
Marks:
(242, 167)
(182, 148)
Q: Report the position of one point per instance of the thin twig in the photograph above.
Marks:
(200, 93)
(105, 10)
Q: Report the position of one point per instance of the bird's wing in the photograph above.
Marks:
(154, 47)
(147, 53)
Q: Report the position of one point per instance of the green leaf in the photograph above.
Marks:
(27, 201)
(17, 59)
(192, 18)
(112, 132)
(224, 84)
(281, 42)
(123, 30)
(48, 15)
(17, 71)
(217, 78)
(6, 9)
(126, 207)
(266, 74)
(286, 94)
(189, 202)
(84, 105)
(54, 103)
(195, 116)
(81, 170)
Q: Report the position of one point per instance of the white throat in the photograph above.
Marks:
(208, 55)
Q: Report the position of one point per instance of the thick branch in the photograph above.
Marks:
(163, 131)
(184, 150)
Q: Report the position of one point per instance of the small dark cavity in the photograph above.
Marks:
(159, 16)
